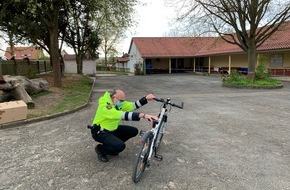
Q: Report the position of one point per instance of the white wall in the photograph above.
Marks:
(134, 57)
(122, 66)
(89, 67)
(70, 67)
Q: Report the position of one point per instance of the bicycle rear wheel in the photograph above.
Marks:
(142, 158)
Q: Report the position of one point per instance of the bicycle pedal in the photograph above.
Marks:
(159, 157)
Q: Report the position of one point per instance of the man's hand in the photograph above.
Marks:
(150, 117)
(150, 96)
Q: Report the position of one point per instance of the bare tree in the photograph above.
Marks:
(79, 33)
(245, 23)
(116, 18)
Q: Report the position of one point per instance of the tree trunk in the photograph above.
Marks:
(19, 88)
(53, 49)
(19, 93)
(79, 64)
(32, 86)
(62, 66)
(5, 97)
(252, 59)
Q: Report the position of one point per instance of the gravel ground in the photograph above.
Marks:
(223, 139)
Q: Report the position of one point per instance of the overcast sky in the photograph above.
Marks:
(154, 21)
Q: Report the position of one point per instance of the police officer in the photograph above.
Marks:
(112, 108)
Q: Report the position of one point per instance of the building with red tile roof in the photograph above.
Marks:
(207, 54)
(123, 59)
(169, 46)
(32, 52)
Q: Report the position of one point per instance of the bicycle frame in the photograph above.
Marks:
(161, 122)
(154, 131)
(152, 139)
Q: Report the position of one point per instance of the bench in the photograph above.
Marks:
(225, 70)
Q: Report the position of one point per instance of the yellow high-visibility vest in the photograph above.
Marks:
(107, 116)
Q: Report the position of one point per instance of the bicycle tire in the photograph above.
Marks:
(141, 161)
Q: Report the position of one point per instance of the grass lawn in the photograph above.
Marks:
(74, 93)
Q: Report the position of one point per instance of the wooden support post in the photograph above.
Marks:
(169, 65)
(230, 64)
(194, 64)
(209, 62)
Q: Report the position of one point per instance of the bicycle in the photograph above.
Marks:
(151, 140)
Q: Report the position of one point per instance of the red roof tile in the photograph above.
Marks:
(218, 46)
(169, 46)
(204, 46)
(279, 40)
(123, 59)
(32, 52)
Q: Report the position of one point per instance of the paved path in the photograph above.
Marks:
(223, 139)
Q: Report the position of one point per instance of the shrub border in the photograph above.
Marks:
(251, 87)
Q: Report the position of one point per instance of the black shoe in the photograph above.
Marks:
(115, 154)
(102, 157)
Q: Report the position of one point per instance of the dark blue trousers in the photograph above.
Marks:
(112, 143)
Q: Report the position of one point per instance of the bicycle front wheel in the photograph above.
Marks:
(142, 158)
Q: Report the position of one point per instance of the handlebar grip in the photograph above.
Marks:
(158, 99)
(179, 106)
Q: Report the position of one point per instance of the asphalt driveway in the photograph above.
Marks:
(223, 139)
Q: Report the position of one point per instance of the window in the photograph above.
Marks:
(276, 60)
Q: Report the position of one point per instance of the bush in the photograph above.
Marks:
(236, 79)
(138, 69)
(235, 76)
(261, 70)
(262, 77)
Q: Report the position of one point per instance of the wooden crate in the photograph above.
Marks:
(12, 111)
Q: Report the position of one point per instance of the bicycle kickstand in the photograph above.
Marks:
(158, 157)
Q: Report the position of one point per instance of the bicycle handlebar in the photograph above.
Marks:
(168, 101)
